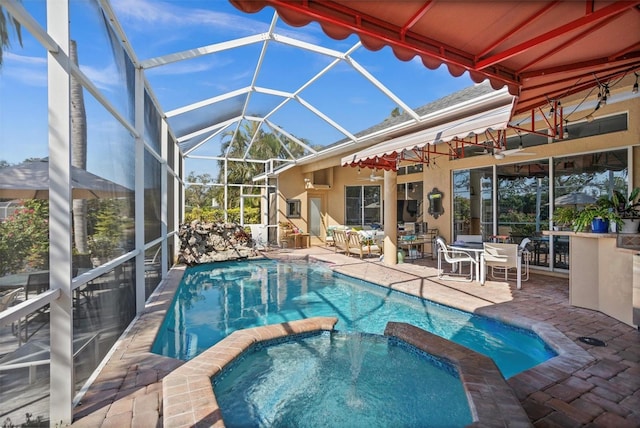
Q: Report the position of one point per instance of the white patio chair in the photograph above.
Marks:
(526, 256)
(503, 259)
(456, 258)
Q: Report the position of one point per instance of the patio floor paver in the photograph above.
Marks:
(604, 391)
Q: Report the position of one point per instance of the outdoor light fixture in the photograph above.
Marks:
(566, 128)
(635, 85)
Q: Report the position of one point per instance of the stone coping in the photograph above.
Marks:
(491, 400)
(189, 399)
(187, 391)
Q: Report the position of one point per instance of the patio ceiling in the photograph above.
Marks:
(542, 50)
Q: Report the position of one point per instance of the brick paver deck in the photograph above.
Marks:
(592, 387)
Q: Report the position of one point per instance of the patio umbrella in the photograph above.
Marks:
(574, 198)
(30, 180)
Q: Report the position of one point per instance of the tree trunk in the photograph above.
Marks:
(78, 153)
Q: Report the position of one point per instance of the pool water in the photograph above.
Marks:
(340, 380)
(214, 300)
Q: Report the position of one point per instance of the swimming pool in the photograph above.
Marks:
(214, 300)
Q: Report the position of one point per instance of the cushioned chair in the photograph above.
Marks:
(363, 245)
(456, 258)
(504, 259)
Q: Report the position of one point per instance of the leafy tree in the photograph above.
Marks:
(106, 227)
(253, 143)
(24, 238)
(7, 21)
(396, 112)
(199, 195)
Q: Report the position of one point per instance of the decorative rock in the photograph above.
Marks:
(213, 242)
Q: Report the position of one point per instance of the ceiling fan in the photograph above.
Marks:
(500, 151)
(372, 177)
(500, 154)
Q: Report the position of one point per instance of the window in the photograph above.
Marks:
(362, 205)
(293, 208)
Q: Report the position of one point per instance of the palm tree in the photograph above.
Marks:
(78, 152)
(265, 146)
(5, 41)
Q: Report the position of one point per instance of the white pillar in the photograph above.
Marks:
(61, 313)
(164, 201)
(390, 218)
(139, 189)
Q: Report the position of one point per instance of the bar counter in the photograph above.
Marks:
(602, 275)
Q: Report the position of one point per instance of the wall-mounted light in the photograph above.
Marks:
(566, 128)
(634, 90)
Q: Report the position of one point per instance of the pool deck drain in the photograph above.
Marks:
(584, 386)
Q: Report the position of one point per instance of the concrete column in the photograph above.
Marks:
(390, 218)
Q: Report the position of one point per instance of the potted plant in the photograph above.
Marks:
(628, 208)
(563, 217)
(598, 216)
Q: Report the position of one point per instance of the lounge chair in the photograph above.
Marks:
(8, 298)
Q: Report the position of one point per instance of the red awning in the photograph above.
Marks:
(542, 50)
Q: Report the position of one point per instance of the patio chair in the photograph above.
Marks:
(363, 245)
(526, 256)
(503, 259)
(152, 266)
(456, 258)
(340, 241)
(8, 298)
(37, 283)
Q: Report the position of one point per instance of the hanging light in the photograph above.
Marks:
(566, 128)
(635, 85)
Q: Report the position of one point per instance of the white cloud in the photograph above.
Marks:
(165, 13)
(29, 70)
(103, 78)
(157, 12)
(187, 67)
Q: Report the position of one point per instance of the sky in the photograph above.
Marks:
(158, 28)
